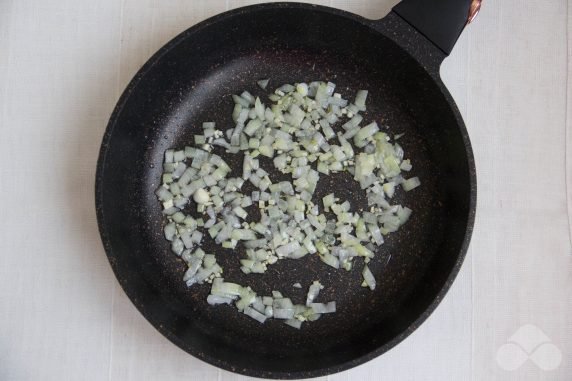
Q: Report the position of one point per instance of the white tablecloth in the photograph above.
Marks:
(63, 315)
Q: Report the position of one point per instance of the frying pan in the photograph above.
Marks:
(191, 79)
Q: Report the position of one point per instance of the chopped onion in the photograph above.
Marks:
(295, 135)
(411, 184)
(263, 83)
(261, 318)
(368, 277)
(215, 299)
(330, 260)
(287, 249)
(361, 96)
(323, 308)
(313, 292)
(364, 133)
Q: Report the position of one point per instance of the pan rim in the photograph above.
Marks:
(129, 289)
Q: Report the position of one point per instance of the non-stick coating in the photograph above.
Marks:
(191, 81)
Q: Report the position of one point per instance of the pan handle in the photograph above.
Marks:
(441, 21)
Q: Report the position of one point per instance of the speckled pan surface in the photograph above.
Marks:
(189, 81)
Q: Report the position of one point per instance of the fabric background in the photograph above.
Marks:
(63, 316)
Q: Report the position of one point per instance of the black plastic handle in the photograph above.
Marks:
(441, 21)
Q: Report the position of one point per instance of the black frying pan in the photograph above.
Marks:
(190, 80)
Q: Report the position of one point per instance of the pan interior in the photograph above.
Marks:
(192, 82)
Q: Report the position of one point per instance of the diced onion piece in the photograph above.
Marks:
(323, 308)
(280, 313)
(170, 231)
(368, 277)
(263, 83)
(328, 201)
(302, 89)
(330, 260)
(313, 292)
(261, 318)
(252, 126)
(288, 249)
(243, 235)
(361, 97)
(241, 101)
(215, 299)
(201, 196)
(389, 189)
(403, 214)
(406, 165)
(227, 289)
(411, 184)
(240, 212)
(365, 133)
(247, 96)
(353, 122)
